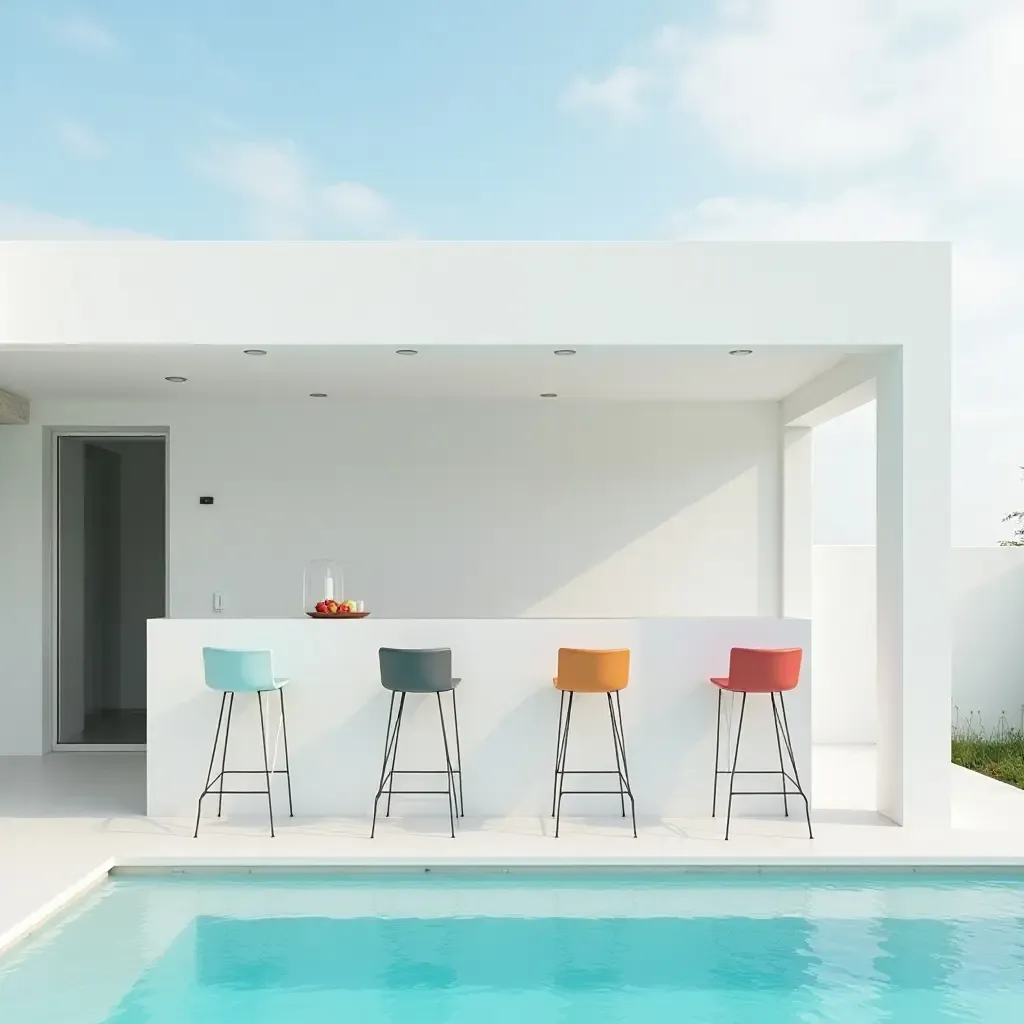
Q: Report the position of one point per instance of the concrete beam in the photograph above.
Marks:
(846, 386)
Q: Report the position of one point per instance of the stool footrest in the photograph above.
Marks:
(417, 792)
(589, 792)
(767, 771)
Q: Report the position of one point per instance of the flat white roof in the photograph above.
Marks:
(458, 293)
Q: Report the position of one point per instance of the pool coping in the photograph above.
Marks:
(113, 866)
(56, 905)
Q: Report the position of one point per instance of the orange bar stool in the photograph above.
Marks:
(583, 671)
(774, 673)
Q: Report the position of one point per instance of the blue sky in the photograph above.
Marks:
(132, 115)
(549, 119)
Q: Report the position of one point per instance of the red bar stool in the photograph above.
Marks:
(773, 673)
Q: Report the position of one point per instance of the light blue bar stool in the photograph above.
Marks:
(229, 673)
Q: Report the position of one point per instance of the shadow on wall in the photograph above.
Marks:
(472, 510)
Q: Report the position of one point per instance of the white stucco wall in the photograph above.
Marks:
(988, 647)
(433, 509)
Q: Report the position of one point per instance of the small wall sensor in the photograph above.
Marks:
(206, 500)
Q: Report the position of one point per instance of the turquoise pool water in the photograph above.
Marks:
(440, 948)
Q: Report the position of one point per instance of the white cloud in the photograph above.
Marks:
(805, 86)
(283, 199)
(857, 214)
(355, 202)
(271, 181)
(620, 94)
(84, 33)
(22, 223)
(80, 139)
(987, 277)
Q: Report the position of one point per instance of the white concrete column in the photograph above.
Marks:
(913, 553)
(24, 694)
(797, 522)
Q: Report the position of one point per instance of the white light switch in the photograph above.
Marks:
(218, 601)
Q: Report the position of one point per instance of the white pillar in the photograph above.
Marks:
(913, 553)
(24, 528)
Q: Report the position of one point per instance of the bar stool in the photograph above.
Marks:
(418, 671)
(230, 673)
(584, 671)
(754, 671)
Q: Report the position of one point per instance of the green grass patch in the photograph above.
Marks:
(999, 754)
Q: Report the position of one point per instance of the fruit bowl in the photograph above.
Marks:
(331, 609)
(337, 615)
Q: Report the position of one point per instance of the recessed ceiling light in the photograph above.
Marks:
(254, 351)
(407, 352)
(565, 351)
(317, 394)
(741, 351)
(549, 394)
(176, 380)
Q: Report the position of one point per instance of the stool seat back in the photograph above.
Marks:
(426, 670)
(753, 670)
(230, 671)
(586, 671)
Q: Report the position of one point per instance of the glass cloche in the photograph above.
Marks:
(323, 581)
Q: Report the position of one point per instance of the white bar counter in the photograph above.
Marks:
(337, 712)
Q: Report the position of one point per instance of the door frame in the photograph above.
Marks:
(52, 639)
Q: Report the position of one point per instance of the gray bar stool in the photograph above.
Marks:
(418, 671)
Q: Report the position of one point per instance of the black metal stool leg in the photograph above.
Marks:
(618, 762)
(209, 771)
(287, 760)
(735, 760)
(448, 762)
(792, 761)
(561, 769)
(558, 751)
(394, 755)
(266, 762)
(458, 756)
(224, 754)
(388, 740)
(718, 740)
(782, 764)
(621, 731)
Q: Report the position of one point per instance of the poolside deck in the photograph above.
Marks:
(66, 819)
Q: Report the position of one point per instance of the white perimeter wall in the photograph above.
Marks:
(987, 639)
(441, 509)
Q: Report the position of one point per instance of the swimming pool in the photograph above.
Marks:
(446, 948)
